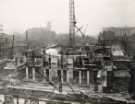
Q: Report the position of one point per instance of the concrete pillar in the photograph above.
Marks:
(50, 74)
(27, 72)
(62, 76)
(33, 74)
(68, 79)
(80, 77)
(44, 72)
(88, 78)
(69, 75)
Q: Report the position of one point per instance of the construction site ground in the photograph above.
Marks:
(43, 90)
(46, 91)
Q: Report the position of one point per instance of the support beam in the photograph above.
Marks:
(80, 77)
(68, 79)
(33, 74)
(27, 72)
(88, 78)
(50, 74)
(44, 72)
(62, 76)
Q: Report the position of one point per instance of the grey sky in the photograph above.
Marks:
(18, 15)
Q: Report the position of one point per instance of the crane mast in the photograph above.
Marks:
(72, 23)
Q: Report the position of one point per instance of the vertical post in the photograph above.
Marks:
(88, 78)
(50, 67)
(60, 82)
(44, 72)
(61, 76)
(50, 74)
(95, 81)
(17, 100)
(67, 76)
(12, 49)
(27, 40)
(33, 74)
(61, 73)
(80, 77)
(27, 73)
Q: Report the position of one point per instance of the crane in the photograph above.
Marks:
(73, 26)
(72, 23)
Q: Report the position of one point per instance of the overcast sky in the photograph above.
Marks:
(19, 15)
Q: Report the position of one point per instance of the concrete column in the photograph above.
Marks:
(27, 73)
(80, 77)
(50, 74)
(68, 79)
(33, 74)
(62, 76)
(88, 77)
(44, 72)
